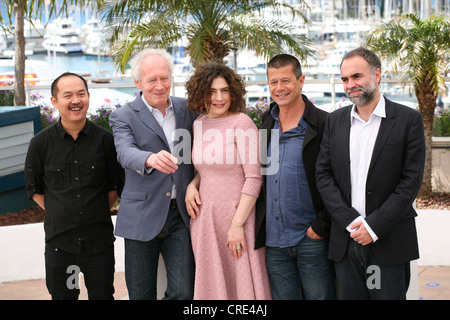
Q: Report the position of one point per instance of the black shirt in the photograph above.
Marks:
(75, 177)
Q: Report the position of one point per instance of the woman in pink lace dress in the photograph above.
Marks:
(221, 198)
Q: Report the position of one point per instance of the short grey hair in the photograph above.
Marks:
(136, 61)
(371, 58)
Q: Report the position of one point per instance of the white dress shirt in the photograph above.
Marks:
(362, 141)
(168, 124)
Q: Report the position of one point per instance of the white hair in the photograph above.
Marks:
(136, 62)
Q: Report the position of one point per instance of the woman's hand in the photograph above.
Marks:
(236, 240)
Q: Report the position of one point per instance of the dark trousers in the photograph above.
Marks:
(141, 262)
(360, 276)
(62, 269)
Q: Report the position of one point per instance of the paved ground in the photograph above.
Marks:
(434, 284)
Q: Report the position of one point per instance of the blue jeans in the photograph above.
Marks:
(141, 262)
(302, 271)
(360, 276)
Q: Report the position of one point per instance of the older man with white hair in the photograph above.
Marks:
(152, 217)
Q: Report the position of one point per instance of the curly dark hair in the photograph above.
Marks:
(198, 87)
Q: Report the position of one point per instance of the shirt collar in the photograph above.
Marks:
(379, 111)
(62, 132)
(153, 110)
(276, 111)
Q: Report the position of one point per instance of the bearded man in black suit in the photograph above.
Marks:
(369, 172)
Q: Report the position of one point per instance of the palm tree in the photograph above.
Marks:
(419, 49)
(32, 9)
(213, 28)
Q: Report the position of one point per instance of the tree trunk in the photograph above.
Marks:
(427, 104)
(216, 48)
(19, 51)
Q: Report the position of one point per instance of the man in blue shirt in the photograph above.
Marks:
(291, 220)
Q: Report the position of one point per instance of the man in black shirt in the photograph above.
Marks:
(71, 171)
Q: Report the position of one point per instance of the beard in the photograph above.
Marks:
(366, 96)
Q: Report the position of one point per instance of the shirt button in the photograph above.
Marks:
(168, 194)
(75, 161)
(78, 196)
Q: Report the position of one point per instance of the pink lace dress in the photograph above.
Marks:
(225, 153)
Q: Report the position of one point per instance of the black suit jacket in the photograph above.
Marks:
(393, 181)
(311, 145)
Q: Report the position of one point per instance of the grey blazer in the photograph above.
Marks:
(146, 197)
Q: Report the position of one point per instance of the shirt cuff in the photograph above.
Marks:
(148, 170)
(368, 228)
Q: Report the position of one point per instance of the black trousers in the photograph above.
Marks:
(360, 276)
(62, 270)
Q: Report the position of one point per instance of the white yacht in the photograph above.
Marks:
(91, 45)
(34, 36)
(61, 37)
(62, 45)
(64, 27)
(91, 38)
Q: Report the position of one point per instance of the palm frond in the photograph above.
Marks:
(209, 26)
(418, 49)
(270, 37)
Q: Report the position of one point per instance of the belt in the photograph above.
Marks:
(173, 203)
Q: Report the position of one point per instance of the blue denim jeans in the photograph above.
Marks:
(141, 262)
(302, 271)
